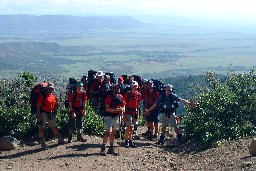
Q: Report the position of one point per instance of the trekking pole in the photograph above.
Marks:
(120, 136)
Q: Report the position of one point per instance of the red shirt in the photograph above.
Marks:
(151, 98)
(96, 86)
(144, 92)
(109, 101)
(132, 100)
(77, 103)
(48, 103)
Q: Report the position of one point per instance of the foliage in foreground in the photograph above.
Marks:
(226, 109)
(15, 116)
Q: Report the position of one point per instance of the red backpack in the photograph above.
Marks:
(36, 91)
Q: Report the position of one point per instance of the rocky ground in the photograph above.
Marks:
(148, 156)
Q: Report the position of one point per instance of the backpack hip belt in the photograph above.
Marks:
(132, 111)
(42, 110)
(49, 114)
(77, 108)
(112, 114)
(168, 111)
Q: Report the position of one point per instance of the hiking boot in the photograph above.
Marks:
(161, 140)
(80, 138)
(179, 138)
(61, 140)
(69, 139)
(102, 151)
(150, 136)
(155, 136)
(43, 144)
(131, 144)
(111, 150)
(146, 133)
(136, 137)
(126, 144)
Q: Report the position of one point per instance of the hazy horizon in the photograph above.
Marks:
(227, 12)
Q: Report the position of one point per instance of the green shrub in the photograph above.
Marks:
(15, 116)
(93, 123)
(226, 109)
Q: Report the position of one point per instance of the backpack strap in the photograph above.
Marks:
(129, 96)
(163, 98)
(152, 96)
(172, 101)
(75, 96)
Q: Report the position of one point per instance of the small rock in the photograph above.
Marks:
(247, 164)
(252, 147)
(8, 167)
(8, 143)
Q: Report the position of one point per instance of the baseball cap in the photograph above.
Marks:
(120, 78)
(79, 84)
(135, 83)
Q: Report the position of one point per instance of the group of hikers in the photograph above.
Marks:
(117, 102)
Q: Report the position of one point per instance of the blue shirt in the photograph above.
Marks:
(167, 101)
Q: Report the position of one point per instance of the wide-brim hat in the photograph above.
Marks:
(99, 73)
(135, 83)
(50, 86)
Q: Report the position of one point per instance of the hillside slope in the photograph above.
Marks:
(63, 22)
(148, 156)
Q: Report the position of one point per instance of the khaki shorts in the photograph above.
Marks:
(130, 121)
(110, 122)
(168, 121)
(44, 119)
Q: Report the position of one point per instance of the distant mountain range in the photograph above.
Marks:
(63, 22)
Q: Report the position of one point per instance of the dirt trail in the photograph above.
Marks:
(148, 156)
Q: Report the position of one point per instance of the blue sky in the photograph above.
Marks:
(211, 10)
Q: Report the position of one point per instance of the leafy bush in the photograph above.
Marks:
(15, 116)
(93, 123)
(226, 109)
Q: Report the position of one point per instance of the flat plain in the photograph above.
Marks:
(157, 51)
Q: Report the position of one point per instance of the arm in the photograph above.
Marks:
(38, 108)
(84, 109)
(70, 102)
(186, 102)
(70, 106)
(147, 111)
(38, 113)
(113, 110)
(56, 105)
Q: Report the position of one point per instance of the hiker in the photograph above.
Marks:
(151, 119)
(135, 125)
(123, 87)
(144, 90)
(46, 112)
(114, 103)
(107, 80)
(105, 90)
(84, 80)
(132, 99)
(77, 110)
(96, 90)
(166, 104)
